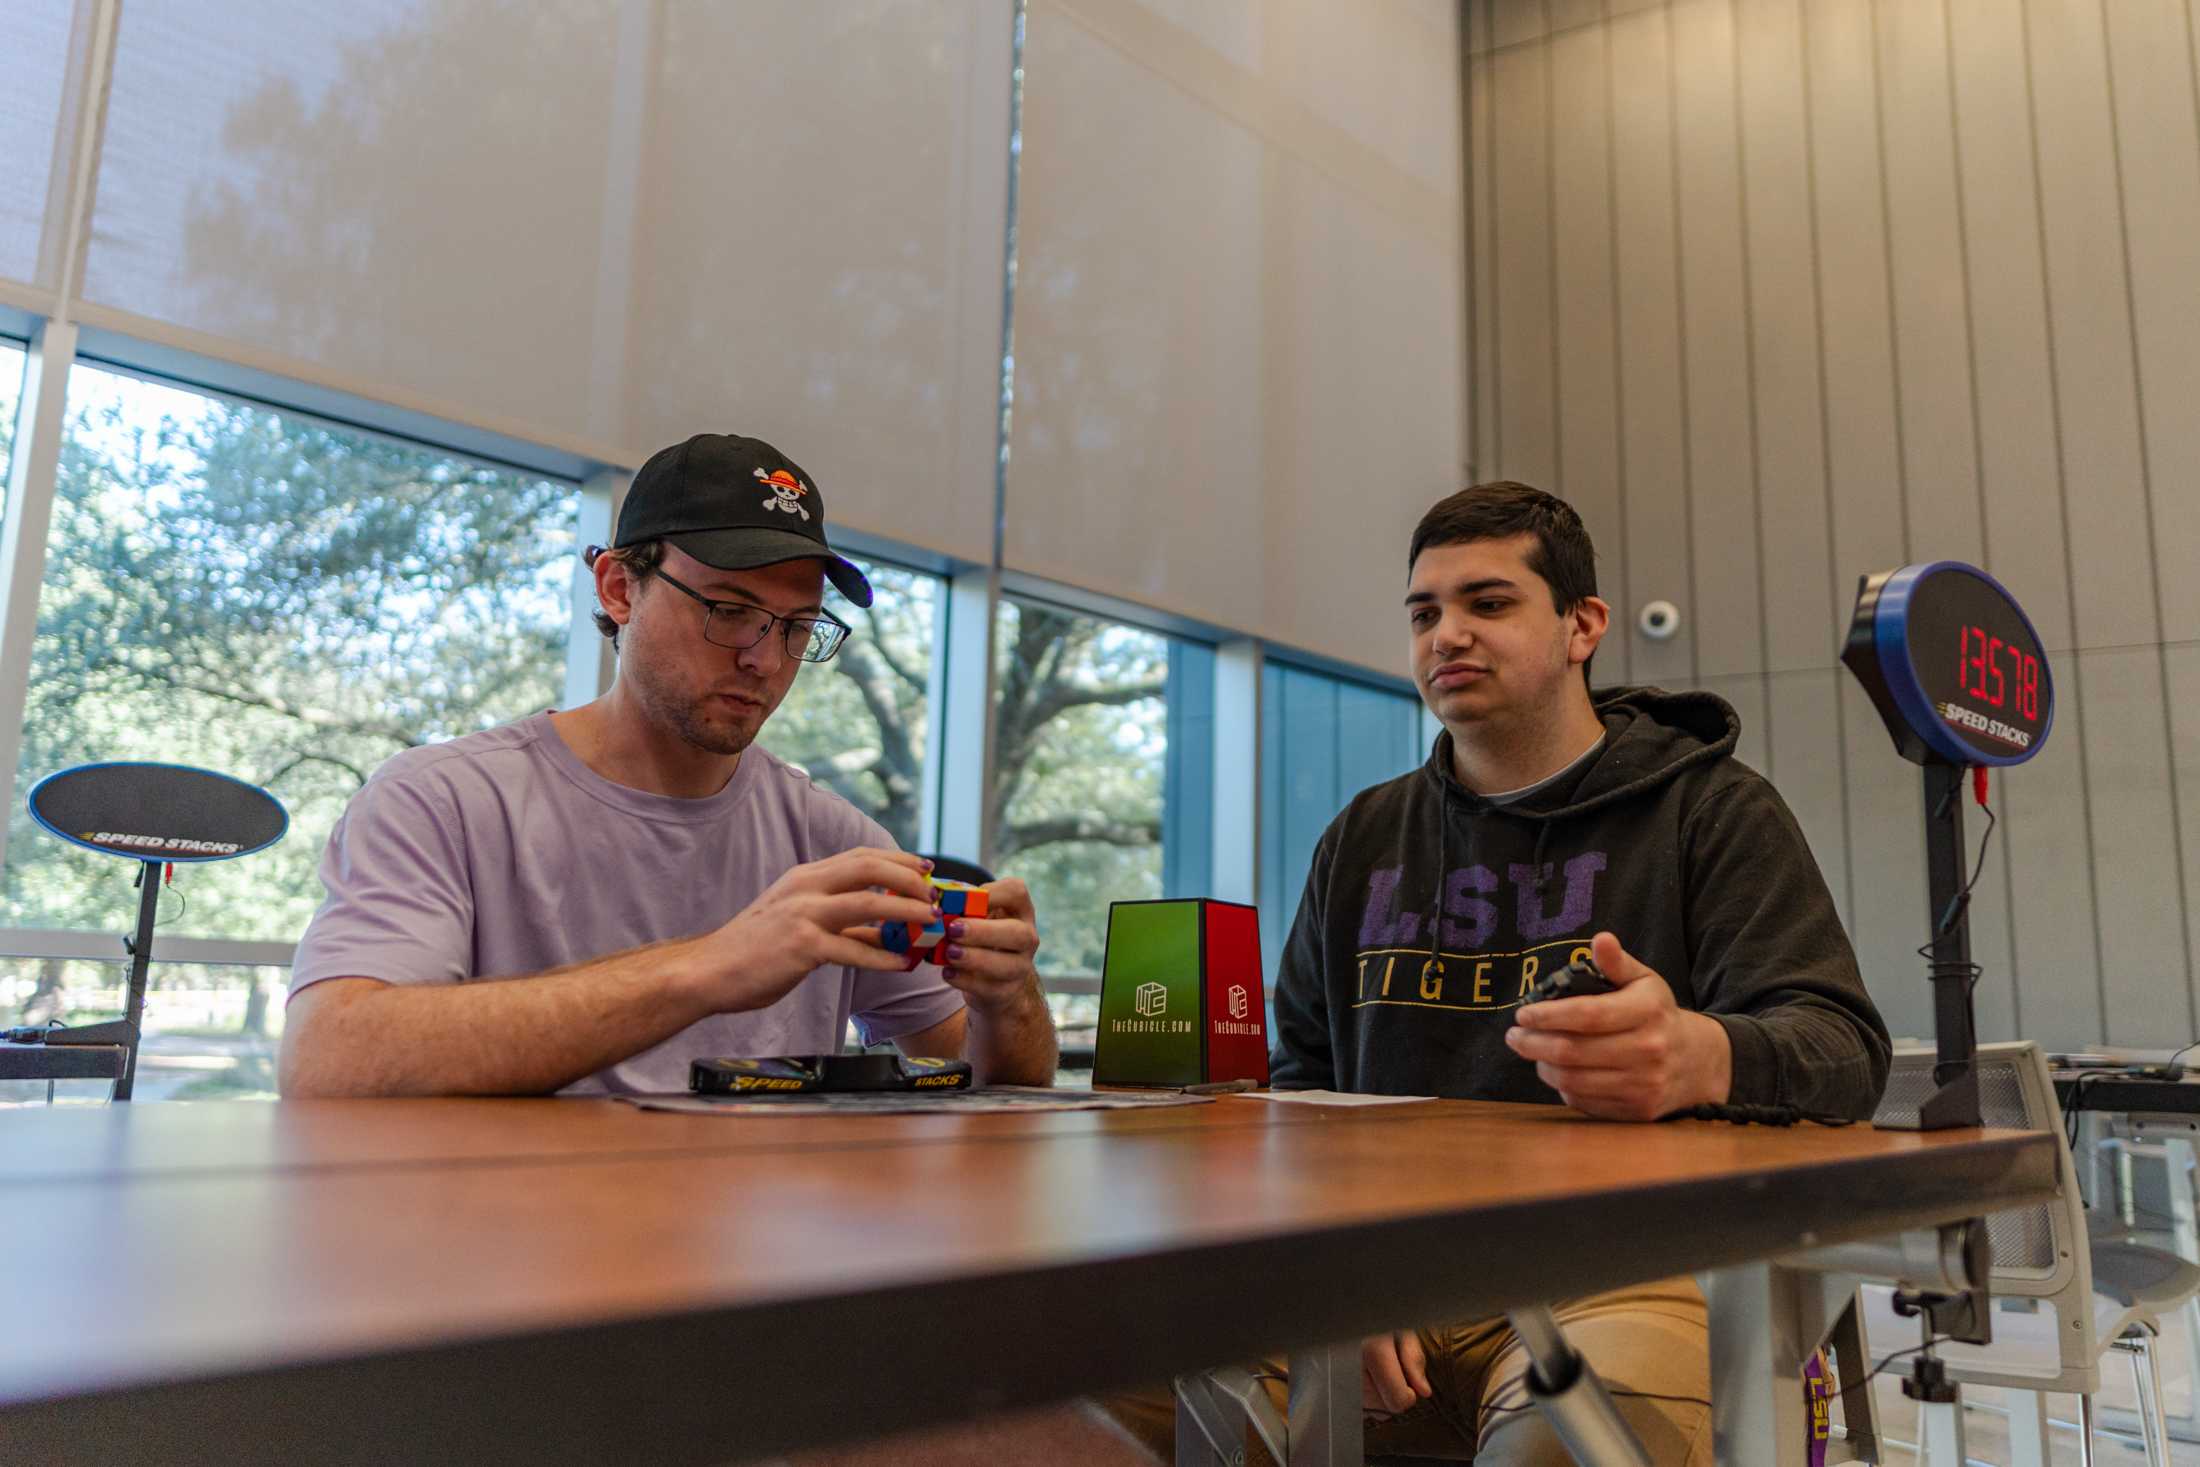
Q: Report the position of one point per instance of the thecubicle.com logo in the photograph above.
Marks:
(1152, 1000)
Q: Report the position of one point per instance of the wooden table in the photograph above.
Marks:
(553, 1281)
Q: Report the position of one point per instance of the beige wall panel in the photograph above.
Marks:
(2156, 140)
(1586, 340)
(1862, 425)
(1573, 14)
(2019, 443)
(1653, 428)
(1807, 758)
(1722, 470)
(1994, 1001)
(2090, 319)
(1886, 845)
(1524, 307)
(2046, 833)
(2181, 662)
(1783, 291)
(1514, 22)
(1931, 326)
(1959, 240)
(1482, 142)
(2145, 974)
(1887, 918)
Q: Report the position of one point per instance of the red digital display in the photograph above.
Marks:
(1998, 698)
(1952, 665)
(1997, 673)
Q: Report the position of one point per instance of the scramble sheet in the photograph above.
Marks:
(986, 1100)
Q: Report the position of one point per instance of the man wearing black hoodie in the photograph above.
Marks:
(1551, 822)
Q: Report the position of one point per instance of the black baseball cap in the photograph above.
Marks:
(734, 504)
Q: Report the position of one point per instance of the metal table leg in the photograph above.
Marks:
(1573, 1401)
(1325, 1407)
(1766, 1320)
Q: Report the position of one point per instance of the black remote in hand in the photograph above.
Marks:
(1578, 979)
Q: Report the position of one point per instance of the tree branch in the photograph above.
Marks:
(349, 768)
(877, 645)
(1100, 828)
(310, 717)
(1065, 696)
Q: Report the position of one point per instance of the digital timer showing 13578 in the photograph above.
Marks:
(1953, 663)
(1979, 672)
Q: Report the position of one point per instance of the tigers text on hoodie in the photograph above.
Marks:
(1429, 911)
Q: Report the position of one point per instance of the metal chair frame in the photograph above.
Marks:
(2088, 1324)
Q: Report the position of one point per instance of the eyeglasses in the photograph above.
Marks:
(739, 625)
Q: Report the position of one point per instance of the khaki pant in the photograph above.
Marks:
(1650, 1344)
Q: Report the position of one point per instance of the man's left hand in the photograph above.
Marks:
(1630, 1055)
(990, 958)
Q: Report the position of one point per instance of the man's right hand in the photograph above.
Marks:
(1393, 1372)
(815, 916)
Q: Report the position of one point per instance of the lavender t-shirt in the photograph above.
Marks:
(500, 854)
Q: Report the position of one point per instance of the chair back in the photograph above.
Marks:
(955, 868)
(2040, 1252)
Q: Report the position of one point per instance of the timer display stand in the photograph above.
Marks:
(1910, 626)
(156, 816)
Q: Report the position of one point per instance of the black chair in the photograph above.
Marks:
(955, 868)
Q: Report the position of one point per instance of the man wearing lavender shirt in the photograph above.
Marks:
(585, 900)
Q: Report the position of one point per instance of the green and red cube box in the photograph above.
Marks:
(1180, 995)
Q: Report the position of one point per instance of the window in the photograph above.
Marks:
(858, 723)
(1323, 740)
(211, 1029)
(281, 600)
(1082, 800)
(11, 397)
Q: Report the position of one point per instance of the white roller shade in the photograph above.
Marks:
(597, 225)
(34, 40)
(1239, 309)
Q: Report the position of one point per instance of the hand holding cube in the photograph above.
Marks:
(956, 900)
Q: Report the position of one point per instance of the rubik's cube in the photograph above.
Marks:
(955, 899)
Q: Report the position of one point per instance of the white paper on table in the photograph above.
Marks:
(1331, 1097)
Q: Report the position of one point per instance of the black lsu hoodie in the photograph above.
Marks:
(1429, 911)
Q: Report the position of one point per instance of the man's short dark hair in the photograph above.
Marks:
(640, 560)
(1499, 510)
(1562, 554)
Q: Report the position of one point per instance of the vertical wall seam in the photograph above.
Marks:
(2169, 712)
(1550, 253)
(1894, 314)
(1749, 374)
(2146, 491)
(1680, 333)
(1495, 468)
(1825, 439)
(1619, 338)
(2062, 499)
(1978, 471)
(1470, 343)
